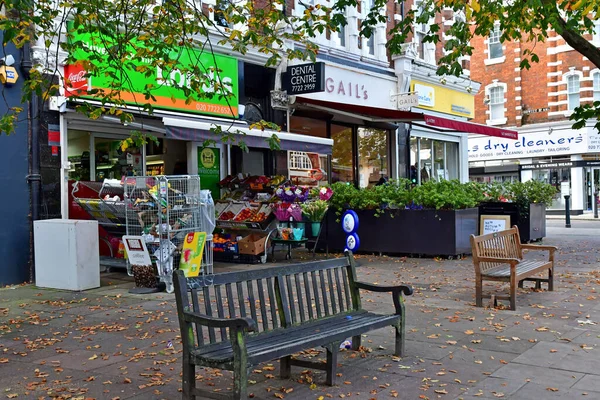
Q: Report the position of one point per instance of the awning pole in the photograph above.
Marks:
(287, 113)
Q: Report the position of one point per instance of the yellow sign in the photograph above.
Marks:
(443, 99)
(191, 255)
(8, 75)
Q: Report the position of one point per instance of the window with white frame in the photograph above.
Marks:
(494, 43)
(596, 35)
(496, 103)
(367, 5)
(339, 38)
(573, 91)
(596, 79)
(421, 28)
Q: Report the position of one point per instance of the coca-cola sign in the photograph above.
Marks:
(75, 80)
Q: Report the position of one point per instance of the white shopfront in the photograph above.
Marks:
(553, 153)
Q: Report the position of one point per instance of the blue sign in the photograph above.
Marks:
(350, 226)
(350, 222)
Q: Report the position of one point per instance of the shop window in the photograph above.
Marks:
(308, 126)
(573, 91)
(433, 159)
(496, 103)
(596, 78)
(342, 159)
(494, 43)
(113, 160)
(372, 156)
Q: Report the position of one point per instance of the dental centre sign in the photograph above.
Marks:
(166, 84)
(530, 145)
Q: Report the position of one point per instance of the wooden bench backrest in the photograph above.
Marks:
(273, 297)
(503, 244)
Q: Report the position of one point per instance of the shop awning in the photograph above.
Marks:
(374, 114)
(200, 130)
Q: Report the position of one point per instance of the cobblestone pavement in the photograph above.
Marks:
(109, 344)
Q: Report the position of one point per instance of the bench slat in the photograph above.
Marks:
(230, 301)
(263, 306)
(299, 296)
(324, 292)
(241, 299)
(316, 292)
(282, 301)
(220, 310)
(339, 288)
(522, 268)
(346, 289)
(273, 303)
(290, 293)
(208, 307)
(331, 292)
(252, 301)
(196, 307)
(311, 314)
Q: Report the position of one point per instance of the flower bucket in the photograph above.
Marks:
(298, 233)
(315, 227)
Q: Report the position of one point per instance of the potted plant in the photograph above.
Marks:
(433, 219)
(315, 211)
(524, 202)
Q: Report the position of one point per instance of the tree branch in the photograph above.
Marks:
(579, 43)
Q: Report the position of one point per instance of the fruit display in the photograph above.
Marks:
(231, 211)
(224, 244)
(227, 216)
(246, 214)
(262, 214)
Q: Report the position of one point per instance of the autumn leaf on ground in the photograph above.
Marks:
(441, 391)
(469, 332)
(551, 389)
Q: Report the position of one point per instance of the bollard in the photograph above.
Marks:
(596, 204)
(567, 212)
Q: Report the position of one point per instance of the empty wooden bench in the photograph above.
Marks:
(246, 318)
(499, 257)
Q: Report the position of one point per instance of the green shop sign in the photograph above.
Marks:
(165, 84)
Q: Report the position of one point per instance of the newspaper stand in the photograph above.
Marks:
(163, 210)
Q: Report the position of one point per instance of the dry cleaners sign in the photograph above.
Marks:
(528, 145)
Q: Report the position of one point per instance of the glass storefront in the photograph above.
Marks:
(372, 156)
(342, 158)
(555, 177)
(433, 159)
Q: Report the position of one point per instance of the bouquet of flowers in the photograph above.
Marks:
(292, 194)
(285, 211)
(321, 193)
(315, 210)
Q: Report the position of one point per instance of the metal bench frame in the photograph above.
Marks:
(298, 307)
(498, 256)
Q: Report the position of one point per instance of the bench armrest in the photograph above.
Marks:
(407, 290)
(245, 323)
(499, 260)
(551, 249)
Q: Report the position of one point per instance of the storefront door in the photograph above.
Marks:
(593, 186)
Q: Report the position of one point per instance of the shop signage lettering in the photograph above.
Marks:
(168, 84)
(346, 88)
(407, 101)
(535, 110)
(305, 78)
(426, 95)
(528, 145)
(564, 164)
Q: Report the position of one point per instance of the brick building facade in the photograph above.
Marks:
(538, 102)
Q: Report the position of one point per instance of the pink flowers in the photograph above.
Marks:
(325, 193)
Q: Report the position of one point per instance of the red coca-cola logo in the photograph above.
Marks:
(75, 79)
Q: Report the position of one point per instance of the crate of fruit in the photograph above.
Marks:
(230, 212)
(247, 213)
(261, 218)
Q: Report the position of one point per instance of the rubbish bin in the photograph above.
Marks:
(66, 254)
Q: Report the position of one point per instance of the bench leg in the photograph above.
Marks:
(189, 381)
(356, 342)
(332, 352)
(240, 382)
(513, 293)
(399, 327)
(521, 283)
(285, 367)
(550, 279)
(478, 292)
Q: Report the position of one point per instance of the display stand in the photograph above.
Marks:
(164, 210)
(291, 243)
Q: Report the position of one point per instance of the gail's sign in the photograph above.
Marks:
(349, 86)
(407, 101)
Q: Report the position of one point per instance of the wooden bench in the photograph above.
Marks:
(249, 317)
(499, 257)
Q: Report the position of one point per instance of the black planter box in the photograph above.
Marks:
(413, 232)
(532, 224)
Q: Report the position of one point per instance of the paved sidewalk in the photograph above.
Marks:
(109, 344)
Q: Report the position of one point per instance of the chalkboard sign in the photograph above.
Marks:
(493, 223)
